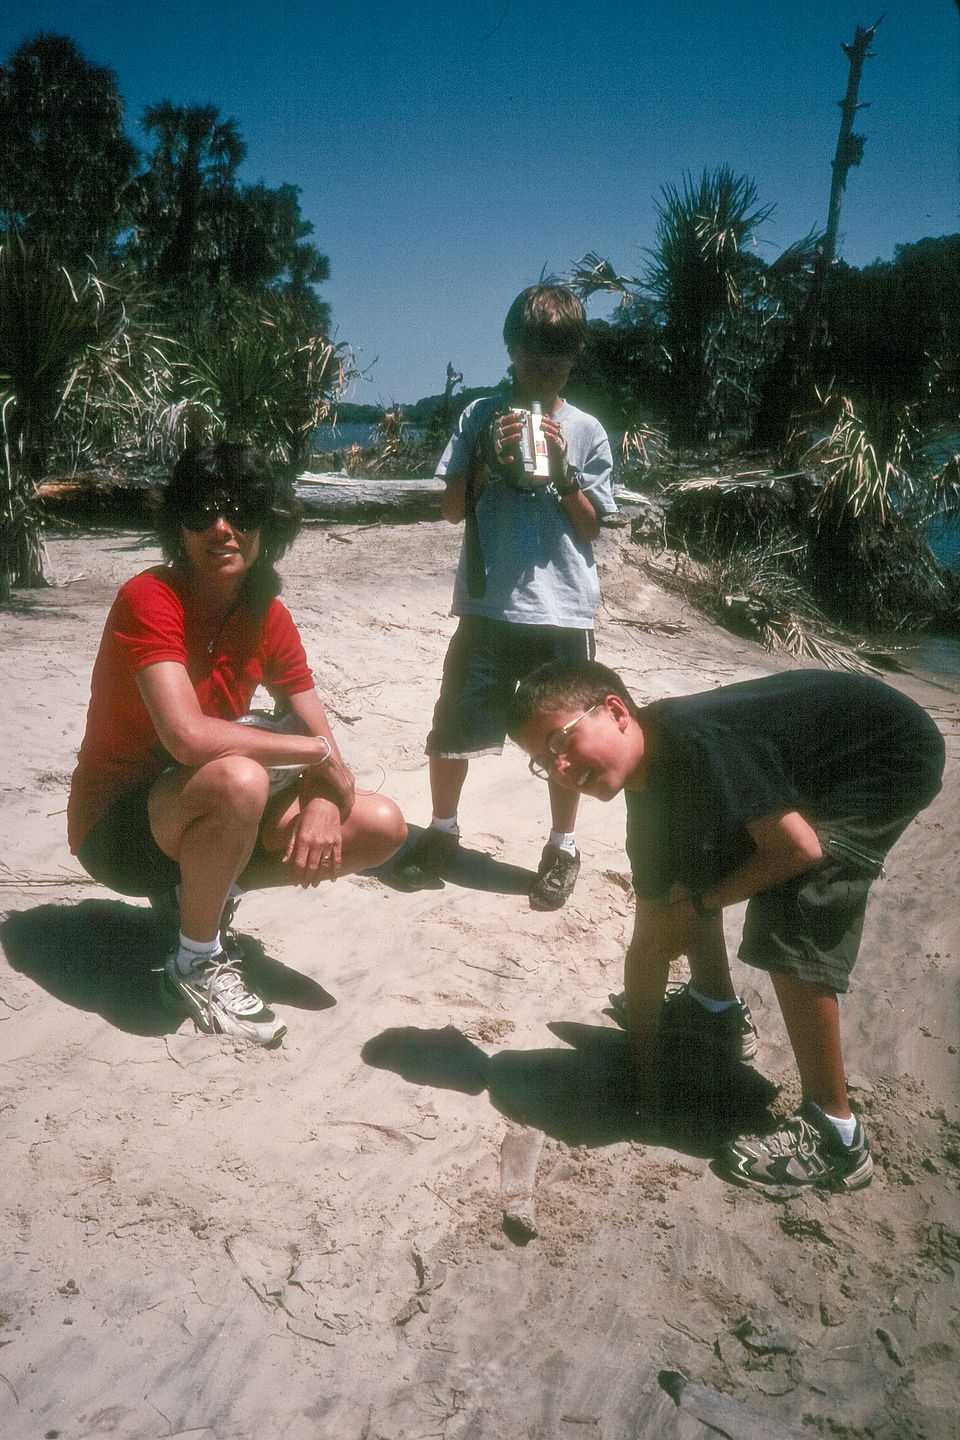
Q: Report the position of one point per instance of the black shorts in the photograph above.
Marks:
(120, 850)
(485, 662)
(811, 926)
(121, 853)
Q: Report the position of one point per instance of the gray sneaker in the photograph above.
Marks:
(215, 995)
(807, 1151)
(556, 876)
(685, 1020)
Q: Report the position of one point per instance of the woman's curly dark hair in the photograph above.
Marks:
(226, 471)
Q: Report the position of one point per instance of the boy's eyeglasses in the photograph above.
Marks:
(542, 765)
(239, 514)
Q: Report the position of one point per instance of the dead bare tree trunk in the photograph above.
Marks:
(788, 385)
(849, 146)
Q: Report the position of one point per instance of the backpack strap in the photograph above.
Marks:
(476, 565)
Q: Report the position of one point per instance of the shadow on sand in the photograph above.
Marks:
(106, 956)
(584, 1095)
(473, 869)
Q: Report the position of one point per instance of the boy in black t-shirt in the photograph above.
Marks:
(786, 792)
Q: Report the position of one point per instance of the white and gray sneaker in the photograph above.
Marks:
(807, 1151)
(217, 998)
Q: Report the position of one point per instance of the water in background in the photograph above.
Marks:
(944, 540)
(341, 437)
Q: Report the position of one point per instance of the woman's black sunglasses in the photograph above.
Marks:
(239, 514)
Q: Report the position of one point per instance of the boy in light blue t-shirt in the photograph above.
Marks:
(526, 589)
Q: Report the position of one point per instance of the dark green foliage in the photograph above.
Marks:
(65, 163)
(619, 374)
(209, 323)
(876, 577)
(893, 328)
(428, 413)
(769, 513)
(350, 413)
(48, 323)
(840, 539)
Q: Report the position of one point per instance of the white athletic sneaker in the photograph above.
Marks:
(216, 997)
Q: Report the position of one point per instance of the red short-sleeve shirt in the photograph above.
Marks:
(150, 622)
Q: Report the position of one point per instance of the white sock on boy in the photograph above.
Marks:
(845, 1128)
(560, 840)
(448, 826)
(715, 1007)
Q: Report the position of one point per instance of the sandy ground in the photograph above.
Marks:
(206, 1240)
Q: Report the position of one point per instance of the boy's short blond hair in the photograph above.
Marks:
(547, 320)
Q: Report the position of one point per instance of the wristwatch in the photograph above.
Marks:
(705, 912)
(569, 483)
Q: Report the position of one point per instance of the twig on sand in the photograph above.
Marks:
(33, 882)
(502, 974)
(654, 627)
(426, 1186)
(317, 1339)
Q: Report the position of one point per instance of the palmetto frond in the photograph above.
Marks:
(866, 468)
(592, 275)
(52, 325)
(255, 380)
(798, 258)
(751, 592)
(701, 233)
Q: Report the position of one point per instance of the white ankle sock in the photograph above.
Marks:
(194, 952)
(715, 1007)
(845, 1128)
(449, 826)
(562, 841)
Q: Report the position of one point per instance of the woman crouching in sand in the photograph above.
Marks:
(173, 799)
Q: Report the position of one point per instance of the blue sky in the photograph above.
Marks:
(448, 153)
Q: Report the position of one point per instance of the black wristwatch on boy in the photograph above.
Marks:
(570, 482)
(705, 912)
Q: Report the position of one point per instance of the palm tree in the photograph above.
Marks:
(65, 163)
(704, 299)
(49, 322)
(191, 181)
(698, 271)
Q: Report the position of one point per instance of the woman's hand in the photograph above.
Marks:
(327, 778)
(314, 847)
(339, 782)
